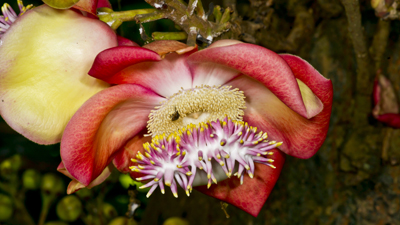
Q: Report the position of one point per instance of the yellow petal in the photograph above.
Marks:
(44, 60)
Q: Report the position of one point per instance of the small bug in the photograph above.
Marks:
(174, 116)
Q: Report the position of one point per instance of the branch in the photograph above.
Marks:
(365, 73)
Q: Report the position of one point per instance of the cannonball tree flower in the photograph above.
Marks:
(45, 55)
(223, 115)
(386, 109)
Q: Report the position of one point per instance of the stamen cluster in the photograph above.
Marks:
(212, 102)
(175, 159)
(9, 16)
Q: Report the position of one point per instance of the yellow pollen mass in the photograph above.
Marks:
(205, 103)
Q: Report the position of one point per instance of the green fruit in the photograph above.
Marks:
(109, 211)
(52, 184)
(69, 208)
(176, 221)
(10, 166)
(6, 207)
(122, 221)
(61, 4)
(84, 193)
(56, 223)
(31, 179)
(126, 180)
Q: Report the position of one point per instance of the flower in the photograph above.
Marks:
(198, 107)
(386, 109)
(45, 55)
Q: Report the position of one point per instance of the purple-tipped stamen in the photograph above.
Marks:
(174, 160)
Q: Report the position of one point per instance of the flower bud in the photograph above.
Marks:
(31, 179)
(69, 208)
(6, 207)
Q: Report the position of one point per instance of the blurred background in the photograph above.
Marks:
(353, 179)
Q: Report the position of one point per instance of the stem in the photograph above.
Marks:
(130, 15)
(379, 42)
(18, 198)
(184, 17)
(115, 19)
(144, 18)
(365, 73)
(47, 201)
(169, 36)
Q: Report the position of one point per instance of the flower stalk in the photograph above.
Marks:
(115, 19)
(177, 36)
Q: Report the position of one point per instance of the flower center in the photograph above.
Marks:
(196, 105)
(9, 16)
(185, 143)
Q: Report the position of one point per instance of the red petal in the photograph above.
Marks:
(252, 194)
(317, 129)
(113, 60)
(102, 126)
(390, 119)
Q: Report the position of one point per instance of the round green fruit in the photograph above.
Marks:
(69, 208)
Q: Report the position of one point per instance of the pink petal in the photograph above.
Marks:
(75, 185)
(102, 126)
(287, 97)
(122, 160)
(127, 65)
(252, 194)
(125, 42)
(91, 6)
(111, 61)
(385, 99)
(386, 109)
(104, 3)
(261, 64)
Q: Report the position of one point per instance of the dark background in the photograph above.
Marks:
(353, 179)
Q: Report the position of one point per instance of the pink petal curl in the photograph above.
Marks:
(113, 60)
(102, 126)
(135, 65)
